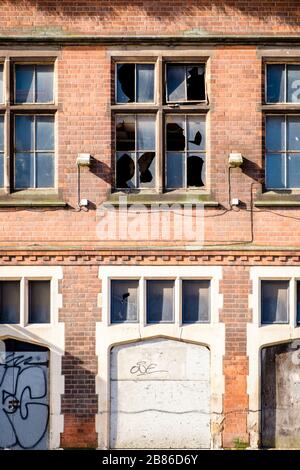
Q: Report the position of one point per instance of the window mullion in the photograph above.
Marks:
(160, 131)
(285, 153)
(7, 128)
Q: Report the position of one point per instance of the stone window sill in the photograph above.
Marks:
(31, 199)
(206, 199)
(278, 199)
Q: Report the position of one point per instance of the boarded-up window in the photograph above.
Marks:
(124, 301)
(39, 301)
(195, 301)
(9, 302)
(274, 301)
(160, 301)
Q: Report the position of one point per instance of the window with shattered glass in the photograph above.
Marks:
(124, 301)
(185, 151)
(135, 83)
(185, 82)
(135, 151)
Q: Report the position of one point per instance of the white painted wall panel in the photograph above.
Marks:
(160, 395)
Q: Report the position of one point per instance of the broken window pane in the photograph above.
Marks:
(274, 301)
(1, 150)
(145, 83)
(125, 83)
(175, 170)
(135, 83)
(175, 133)
(176, 85)
(146, 132)
(125, 133)
(195, 83)
(195, 171)
(125, 170)
(293, 83)
(275, 83)
(146, 167)
(196, 133)
(39, 301)
(195, 301)
(9, 301)
(124, 301)
(185, 82)
(160, 301)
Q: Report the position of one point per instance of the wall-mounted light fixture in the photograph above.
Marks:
(83, 159)
(235, 159)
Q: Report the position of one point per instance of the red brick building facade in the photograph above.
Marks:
(247, 248)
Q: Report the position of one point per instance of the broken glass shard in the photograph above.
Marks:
(196, 133)
(175, 134)
(125, 133)
(176, 83)
(125, 170)
(125, 83)
(195, 83)
(146, 166)
(195, 165)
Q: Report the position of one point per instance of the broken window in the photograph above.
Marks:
(135, 146)
(185, 155)
(124, 301)
(283, 83)
(135, 83)
(160, 301)
(274, 301)
(9, 301)
(185, 82)
(39, 301)
(195, 301)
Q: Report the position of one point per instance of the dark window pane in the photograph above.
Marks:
(175, 170)
(124, 301)
(293, 133)
(275, 171)
(1, 170)
(125, 172)
(175, 133)
(195, 83)
(274, 301)
(24, 170)
(44, 133)
(145, 83)
(146, 167)
(125, 83)
(176, 85)
(298, 302)
(1, 151)
(10, 301)
(160, 301)
(125, 133)
(195, 301)
(44, 83)
(293, 80)
(196, 133)
(44, 170)
(195, 171)
(1, 84)
(24, 133)
(275, 133)
(275, 83)
(24, 83)
(146, 132)
(39, 301)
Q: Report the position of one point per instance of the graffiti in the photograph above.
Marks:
(142, 368)
(24, 412)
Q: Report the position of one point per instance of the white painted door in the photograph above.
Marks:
(24, 409)
(160, 395)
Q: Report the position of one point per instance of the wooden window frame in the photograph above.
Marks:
(161, 108)
(9, 109)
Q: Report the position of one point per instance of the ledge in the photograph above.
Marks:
(29, 199)
(271, 199)
(159, 199)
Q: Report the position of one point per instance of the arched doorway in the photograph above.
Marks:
(160, 395)
(24, 392)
